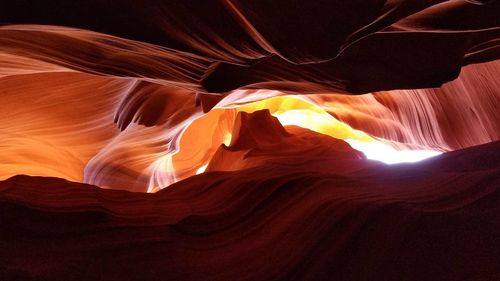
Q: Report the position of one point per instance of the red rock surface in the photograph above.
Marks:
(436, 220)
(221, 45)
(103, 101)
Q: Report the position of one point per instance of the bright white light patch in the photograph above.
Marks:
(388, 154)
(202, 169)
(316, 119)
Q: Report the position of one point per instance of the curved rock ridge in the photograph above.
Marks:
(103, 92)
(402, 222)
(259, 139)
(248, 111)
(63, 124)
(125, 132)
(461, 113)
(222, 45)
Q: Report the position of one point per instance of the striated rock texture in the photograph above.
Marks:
(330, 215)
(102, 91)
(123, 133)
(146, 140)
(221, 45)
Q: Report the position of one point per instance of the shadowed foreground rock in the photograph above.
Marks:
(436, 220)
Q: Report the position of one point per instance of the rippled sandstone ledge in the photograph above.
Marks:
(274, 221)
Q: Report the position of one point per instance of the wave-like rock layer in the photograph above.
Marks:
(221, 45)
(102, 92)
(274, 214)
(211, 140)
(123, 132)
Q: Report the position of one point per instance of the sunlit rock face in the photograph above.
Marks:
(278, 141)
(129, 134)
